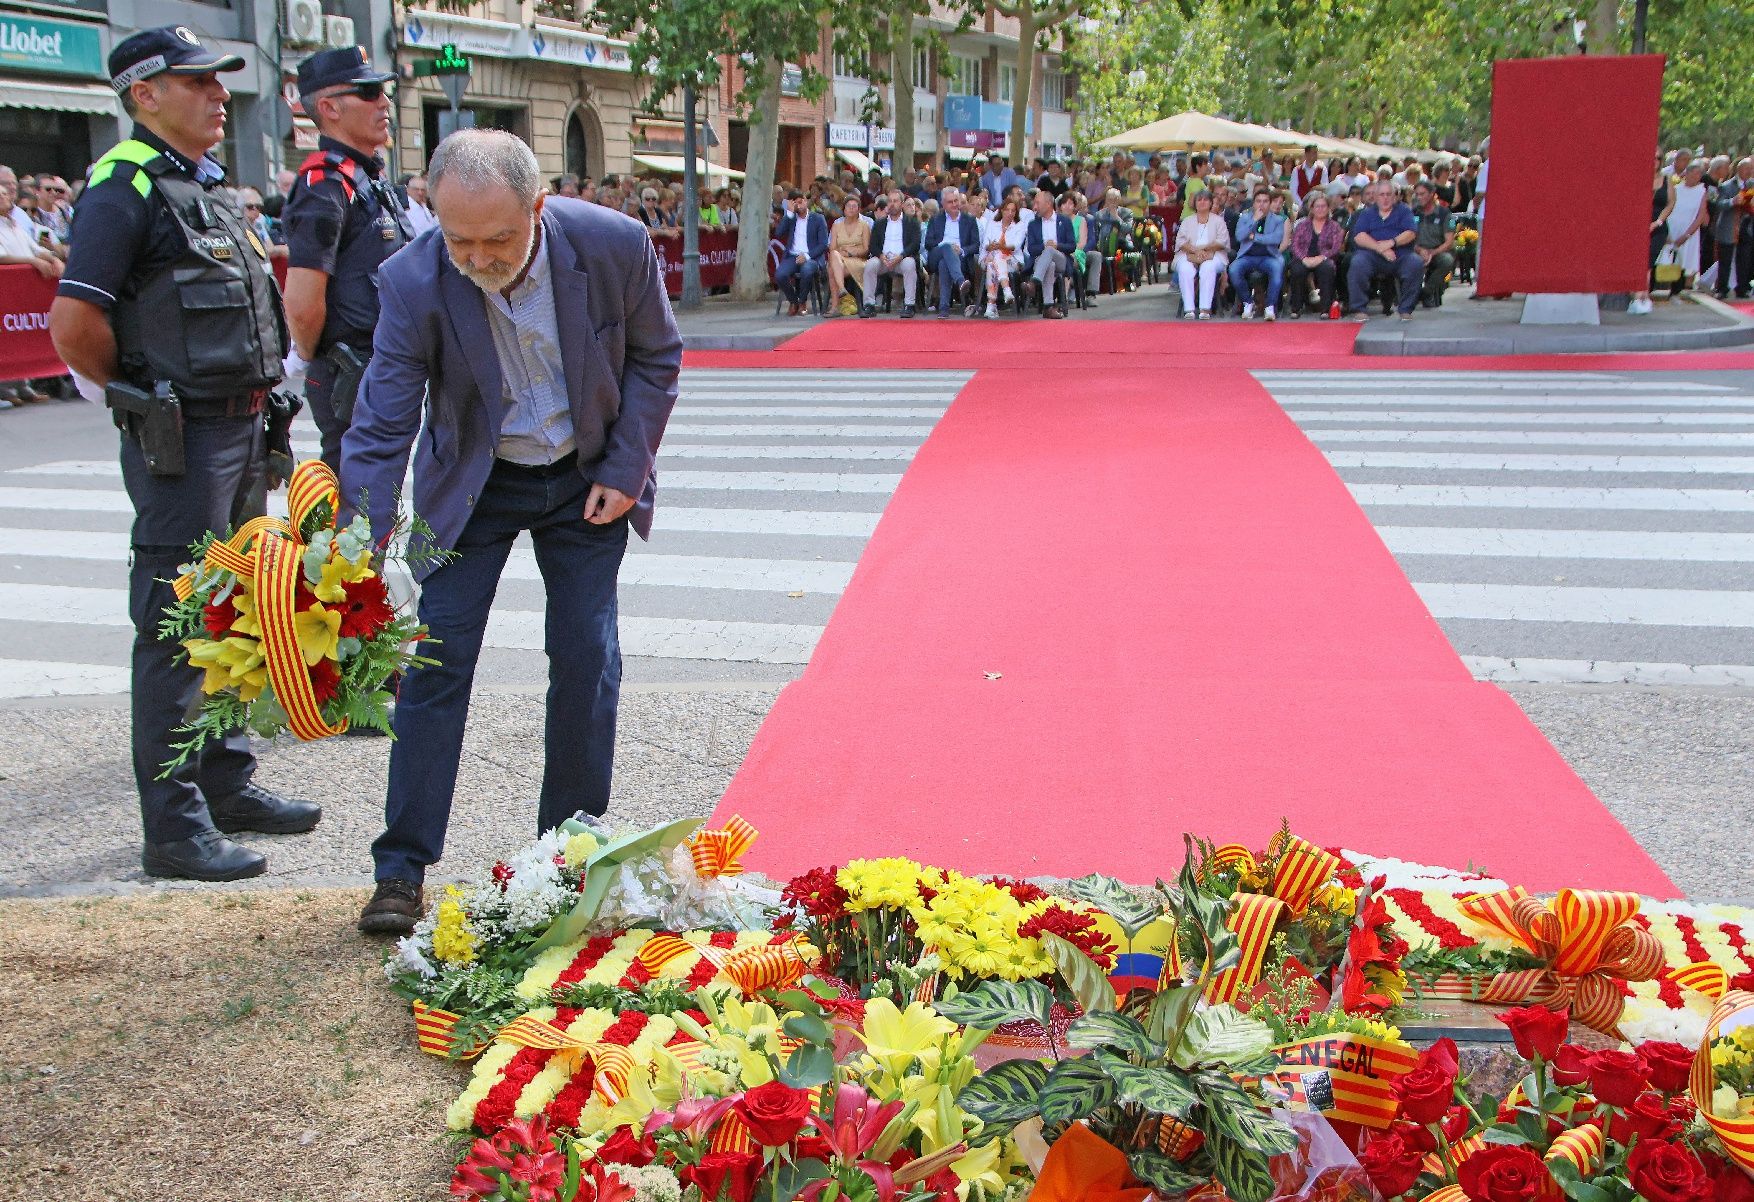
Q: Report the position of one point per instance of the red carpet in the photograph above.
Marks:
(1193, 628)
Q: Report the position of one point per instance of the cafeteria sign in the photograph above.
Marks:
(50, 47)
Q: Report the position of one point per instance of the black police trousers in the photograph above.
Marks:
(224, 485)
(319, 382)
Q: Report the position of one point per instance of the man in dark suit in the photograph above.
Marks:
(895, 250)
(538, 341)
(805, 237)
(953, 247)
(1050, 254)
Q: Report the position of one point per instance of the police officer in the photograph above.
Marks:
(342, 220)
(169, 304)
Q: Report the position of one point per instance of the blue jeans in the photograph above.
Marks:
(579, 562)
(946, 260)
(1368, 264)
(1272, 266)
(794, 278)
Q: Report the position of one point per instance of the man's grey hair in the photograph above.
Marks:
(487, 158)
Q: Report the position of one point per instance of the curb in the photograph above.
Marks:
(1560, 340)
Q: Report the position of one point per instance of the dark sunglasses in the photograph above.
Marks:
(365, 91)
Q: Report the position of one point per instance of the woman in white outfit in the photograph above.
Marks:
(1686, 216)
(1000, 245)
(1202, 250)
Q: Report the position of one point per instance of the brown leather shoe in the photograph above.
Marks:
(394, 908)
(1052, 311)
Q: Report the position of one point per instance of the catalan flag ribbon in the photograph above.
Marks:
(719, 852)
(434, 1031)
(1302, 869)
(775, 966)
(611, 1064)
(1587, 941)
(1737, 1134)
(1252, 918)
(266, 552)
(1362, 1070)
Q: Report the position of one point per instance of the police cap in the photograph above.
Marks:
(172, 48)
(331, 68)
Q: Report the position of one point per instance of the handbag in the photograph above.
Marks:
(1668, 268)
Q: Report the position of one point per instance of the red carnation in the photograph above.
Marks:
(721, 1171)
(1669, 1064)
(325, 680)
(1392, 1163)
(1426, 1090)
(367, 608)
(1617, 1078)
(817, 893)
(1538, 1031)
(1080, 930)
(1504, 1173)
(1663, 1172)
(1728, 1183)
(218, 616)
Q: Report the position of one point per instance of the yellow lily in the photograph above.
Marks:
(245, 623)
(319, 633)
(336, 572)
(230, 663)
(896, 1038)
(983, 1166)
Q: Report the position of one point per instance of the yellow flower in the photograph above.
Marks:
(245, 623)
(338, 571)
(896, 1038)
(452, 940)
(230, 663)
(893, 882)
(1337, 899)
(982, 1166)
(579, 848)
(319, 633)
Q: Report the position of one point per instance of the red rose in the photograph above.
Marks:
(813, 1147)
(1728, 1183)
(626, 1148)
(1392, 1163)
(1616, 1078)
(1663, 1172)
(1415, 1136)
(1648, 1118)
(1538, 1031)
(1570, 1066)
(1669, 1065)
(1504, 1173)
(774, 1113)
(724, 1174)
(1427, 1089)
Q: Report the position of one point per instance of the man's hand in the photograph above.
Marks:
(605, 505)
(891, 260)
(1424, 256)
(801, 259)
(1388, 252)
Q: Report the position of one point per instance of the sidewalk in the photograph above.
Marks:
(1462, 327)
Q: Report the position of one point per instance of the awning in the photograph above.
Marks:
(59, 97)
(960, 154)
(672, 164)
(858, 160)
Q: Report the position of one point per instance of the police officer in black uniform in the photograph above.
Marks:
(168, 302)
(342, 220)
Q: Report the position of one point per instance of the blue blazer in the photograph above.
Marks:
(815, 235)
(968, 232)
(433, 356)
(1063, 236)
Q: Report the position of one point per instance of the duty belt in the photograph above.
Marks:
(244, 405)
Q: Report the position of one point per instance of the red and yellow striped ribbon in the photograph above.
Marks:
(1252, 918)
(719, 852)
(433, 1031)
(266, 552)
(1582, 1146)
(1589, 944)
(661, 950)
(1457, 1153)
(775, 966)
(1736, 1135)
(1178, 1140)
(612, 1065)
(1302, 869)
(1224, 857)
(1362, 1071)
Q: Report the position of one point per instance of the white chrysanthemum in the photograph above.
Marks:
(1645, 1024)
(409, 958)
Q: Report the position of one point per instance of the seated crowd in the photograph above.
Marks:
(1249, 237)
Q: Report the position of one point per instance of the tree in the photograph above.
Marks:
(1036, 20)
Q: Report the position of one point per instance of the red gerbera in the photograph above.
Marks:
(325, 680)
(218, 617)
(367, 608)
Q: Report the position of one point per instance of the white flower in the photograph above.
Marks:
(409, 958)
(652, 1183)
(1649, 1023)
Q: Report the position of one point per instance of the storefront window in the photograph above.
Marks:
(438, 120)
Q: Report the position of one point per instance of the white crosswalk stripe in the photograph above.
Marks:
(1540, 576)
(749, 580)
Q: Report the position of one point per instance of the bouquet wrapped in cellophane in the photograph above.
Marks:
(292, 621)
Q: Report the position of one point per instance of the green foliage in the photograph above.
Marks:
(1007, 1093)
(1114, 1030)
(1090, 985)
(654, 997)
(1075, 1089)
(1130, 910)
(995, 1002)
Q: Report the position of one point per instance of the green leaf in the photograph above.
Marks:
(1075, 1089)
(992, 1003)
(1249, 1125)
(1090, 985)
(808, 1028)
(1168, 1010)
(1164, 1174)
(1110, 1030)
(1006, 1094)
(1221, 1034)
(1132, 912)
(809, 1065)
(1574, 1186)
(1155, 1089)
(1242, 1171)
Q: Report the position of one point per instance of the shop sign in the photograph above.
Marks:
(497, 39)
(792, 80)
(578, 49)
(844, 135)
(51, 47)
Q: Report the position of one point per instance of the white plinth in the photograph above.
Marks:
(1561, 309)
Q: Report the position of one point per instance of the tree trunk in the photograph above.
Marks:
(1312, 95)
(750, 282)
(901, 82)
(1601, 35)
(1016, 150)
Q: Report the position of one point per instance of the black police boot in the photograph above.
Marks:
(208, 856)
(256, 809)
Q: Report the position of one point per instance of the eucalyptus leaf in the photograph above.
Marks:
(1090, 985)
(1075, 1089)
(809, 1065)
(808, 1027)
(1006, 1094)
(1110, 1030)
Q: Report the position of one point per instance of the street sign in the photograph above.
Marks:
(449, 62)
(454, 86)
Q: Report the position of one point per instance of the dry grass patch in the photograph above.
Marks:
(211, 1047)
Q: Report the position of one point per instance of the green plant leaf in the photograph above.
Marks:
(1221, 1034)
(992, 1003)
(1075, 1089)
(809, 1065)
(1242, 1120)
(1241, 1170)
(1110, 1030)
(1005, 1094)
(1132, 912)
(1168, 1009)
(1157, 1090)
(1090, 985)
(1164, 1174)
(808, 1028)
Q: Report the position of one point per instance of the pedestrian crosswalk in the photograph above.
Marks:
(1591, 527)
(770, 484)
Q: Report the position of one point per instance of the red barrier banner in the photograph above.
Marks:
(718, 260)
(25, 350)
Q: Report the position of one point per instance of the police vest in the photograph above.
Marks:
(209, 321)
(376, 228)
